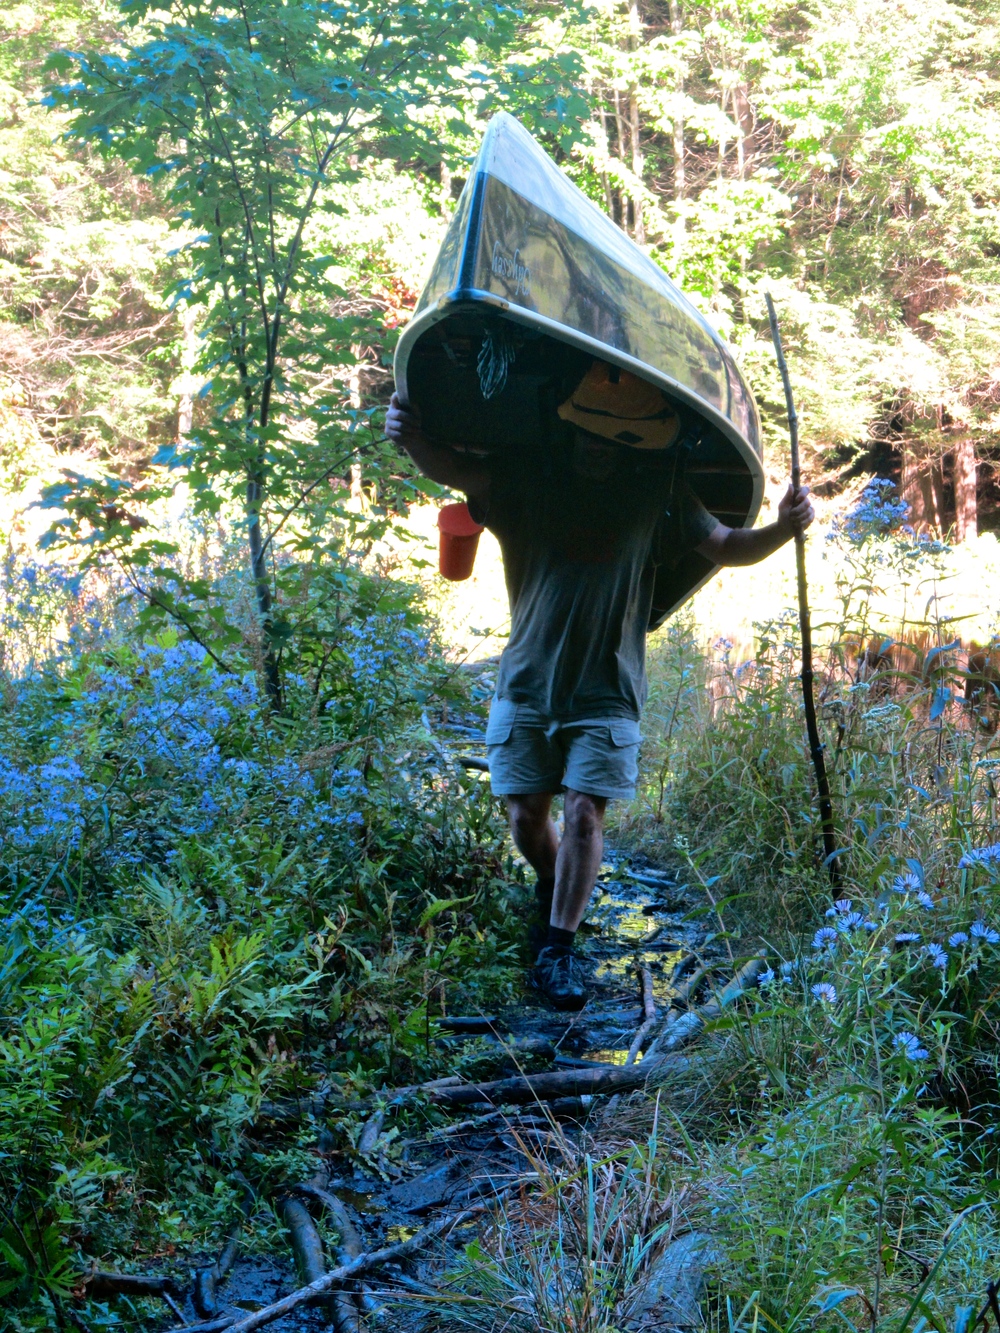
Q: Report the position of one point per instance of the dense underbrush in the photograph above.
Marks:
(209, 907)
(844, 1152)
(205, 905)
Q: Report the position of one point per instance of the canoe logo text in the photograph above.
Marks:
(507, 266)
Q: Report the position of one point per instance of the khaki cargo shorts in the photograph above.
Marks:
(530, 753)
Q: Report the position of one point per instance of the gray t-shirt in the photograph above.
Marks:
(577, 556)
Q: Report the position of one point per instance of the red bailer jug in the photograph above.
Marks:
(457, 541)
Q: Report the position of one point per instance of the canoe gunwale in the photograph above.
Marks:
(452, 302)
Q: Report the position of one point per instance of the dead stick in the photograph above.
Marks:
(649, 1014)
(364, 1263)
(370, 1133)
(805, 627)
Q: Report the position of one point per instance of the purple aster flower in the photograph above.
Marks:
(766, 977)
(825, 938)
(958, 938)
(825, 992)
(979, 930)
(980, 856)
(937, 956)
(909, 1045)
(850, 921)
(908, 883)
(925, 900)
(907, 937)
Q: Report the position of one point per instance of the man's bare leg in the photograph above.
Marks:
(579, 858)
(534, 833)
(574, 863)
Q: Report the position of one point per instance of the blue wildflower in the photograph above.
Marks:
(825, 992)
(909, 1045)
(979, 930)
(937, 956)
(908, 883)
(980, 856)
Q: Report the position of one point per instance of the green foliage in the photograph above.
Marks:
(842, 1151)
(202, 910)
(255, 117)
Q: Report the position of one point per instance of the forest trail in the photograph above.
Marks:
(643, 918)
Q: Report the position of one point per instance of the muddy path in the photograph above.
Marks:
(642, 917)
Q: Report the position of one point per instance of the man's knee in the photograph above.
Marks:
(528, 814)
(584, 815)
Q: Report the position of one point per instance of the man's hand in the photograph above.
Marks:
(795, 511)
(402, 425)
(745, 546)
(437, 461)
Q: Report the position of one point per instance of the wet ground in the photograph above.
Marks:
(641, 914)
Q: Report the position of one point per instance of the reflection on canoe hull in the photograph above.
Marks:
(527, 251)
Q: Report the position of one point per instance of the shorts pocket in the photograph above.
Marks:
(625, 732)
(503, 715)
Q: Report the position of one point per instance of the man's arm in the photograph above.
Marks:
(745, 546)
(437, 461)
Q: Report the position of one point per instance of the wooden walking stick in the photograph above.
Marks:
(815, 744)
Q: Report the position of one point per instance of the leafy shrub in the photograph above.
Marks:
(206, 904)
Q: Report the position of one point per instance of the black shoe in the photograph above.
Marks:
(561, 979)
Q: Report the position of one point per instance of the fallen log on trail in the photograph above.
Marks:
(99, 1283)
(206, 1280)
(211, 1326)
(601, 1080)
(473, 762)
(364, 1263)
(369, 1135)
(679, 1029)
(472, 1024)
(560, 1083)
(649, 1016)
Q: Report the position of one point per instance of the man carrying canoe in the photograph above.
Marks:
(582, 527)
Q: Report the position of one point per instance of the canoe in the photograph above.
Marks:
(529, 262)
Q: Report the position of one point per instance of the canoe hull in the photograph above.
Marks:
(543, 258)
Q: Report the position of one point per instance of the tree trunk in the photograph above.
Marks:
(676, 26)
(620, 126)
(262, 590)
(609, 202)
(189, 351)
(637, 165)
(357, 480)
(966, 513)
(635, 41)
(445, 195)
